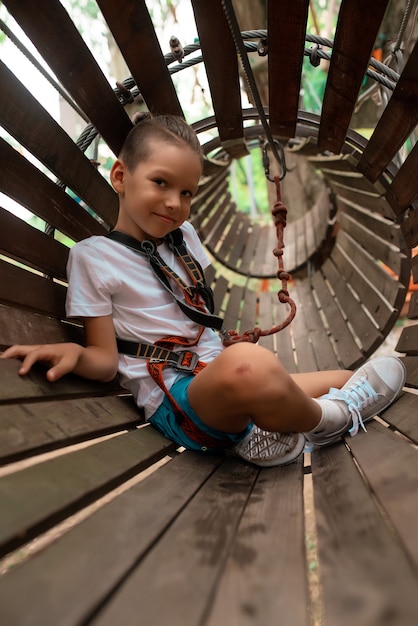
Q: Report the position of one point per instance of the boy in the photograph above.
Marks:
(134, 290)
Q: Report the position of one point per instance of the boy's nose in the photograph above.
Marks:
(173, 200)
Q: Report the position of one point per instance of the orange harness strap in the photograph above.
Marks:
(188, 362)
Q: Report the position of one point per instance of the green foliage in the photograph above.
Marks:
(250, 194)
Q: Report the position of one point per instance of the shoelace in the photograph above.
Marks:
(357, 396)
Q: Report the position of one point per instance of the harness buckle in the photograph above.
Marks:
(186, 362)
(182, 361)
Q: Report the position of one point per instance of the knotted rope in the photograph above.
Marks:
(279, 213)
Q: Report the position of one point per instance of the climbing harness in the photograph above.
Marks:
(198, 301)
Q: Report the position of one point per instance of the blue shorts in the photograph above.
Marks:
(166, 422)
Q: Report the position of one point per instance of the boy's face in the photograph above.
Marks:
(155, 197)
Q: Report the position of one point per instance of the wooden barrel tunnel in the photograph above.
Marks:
(348, 247)
(349, 250)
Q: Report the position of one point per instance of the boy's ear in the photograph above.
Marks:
(117, 175)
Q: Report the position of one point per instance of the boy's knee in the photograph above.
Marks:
(250, 369)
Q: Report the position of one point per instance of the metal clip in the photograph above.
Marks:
(266, 161)
(262, 47)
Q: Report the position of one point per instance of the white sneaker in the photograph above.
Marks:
(265, 448)
(370, 390)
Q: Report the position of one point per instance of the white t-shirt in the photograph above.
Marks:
(108, 278)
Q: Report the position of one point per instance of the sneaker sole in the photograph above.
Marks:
(286, 459)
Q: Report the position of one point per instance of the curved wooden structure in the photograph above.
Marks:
(208, 541)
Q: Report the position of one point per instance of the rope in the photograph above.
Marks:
(240, 47)
(279, 213)
(404, 23)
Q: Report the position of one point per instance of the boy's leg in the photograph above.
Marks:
(316, 384)
(246, 382)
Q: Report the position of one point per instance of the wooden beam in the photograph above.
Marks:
(28, 186)
(286, 43)
(221, 63)
(133, 30)
(55, 36)
(396, 124)
(34, 128)
(357, 28)
(404, 188)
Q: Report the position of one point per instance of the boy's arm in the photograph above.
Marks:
(98, 360)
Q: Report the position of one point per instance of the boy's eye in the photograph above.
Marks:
(159, 181)
(187, 194)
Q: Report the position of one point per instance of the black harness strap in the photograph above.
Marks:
(160, 354)
(192, 307)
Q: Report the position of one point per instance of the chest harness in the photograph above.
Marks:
(197, 303)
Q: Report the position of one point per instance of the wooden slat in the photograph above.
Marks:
(26, 120)
(365, 575)
(305, 355)
(325, 356)
(68, 582)
(249, 310)
(409, 226)
(232, 312)
(25, 289)
(220, 290)
(265, 320)
(390, 465)
(31, 246)
(284, 344)
(23, 182)
(222, 72)
(34, 428)
(34, 387)
(286, 41)
(357, 28)
(388, 253)
(396, 124)
(133, 30)
(349, 354)
(411, 364)
(240, 243)
(402, 414)
(353, 180)
(264, 262)
(57, 39)
(229, 241)
(404, 188)
(375, 223)
(223, 228)
(39, 496)
(20, 326)
(268, 549)
(372, 201)
(215, 213)
(247, 258)
(408, 341)
(413, 306)
(414, 268)
(379, 292)
(368, 335)
(202, 535)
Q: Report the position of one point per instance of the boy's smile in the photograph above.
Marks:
(155, 197)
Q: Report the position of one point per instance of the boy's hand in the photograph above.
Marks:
(64, 357)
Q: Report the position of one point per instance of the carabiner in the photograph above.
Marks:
(282, 160)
